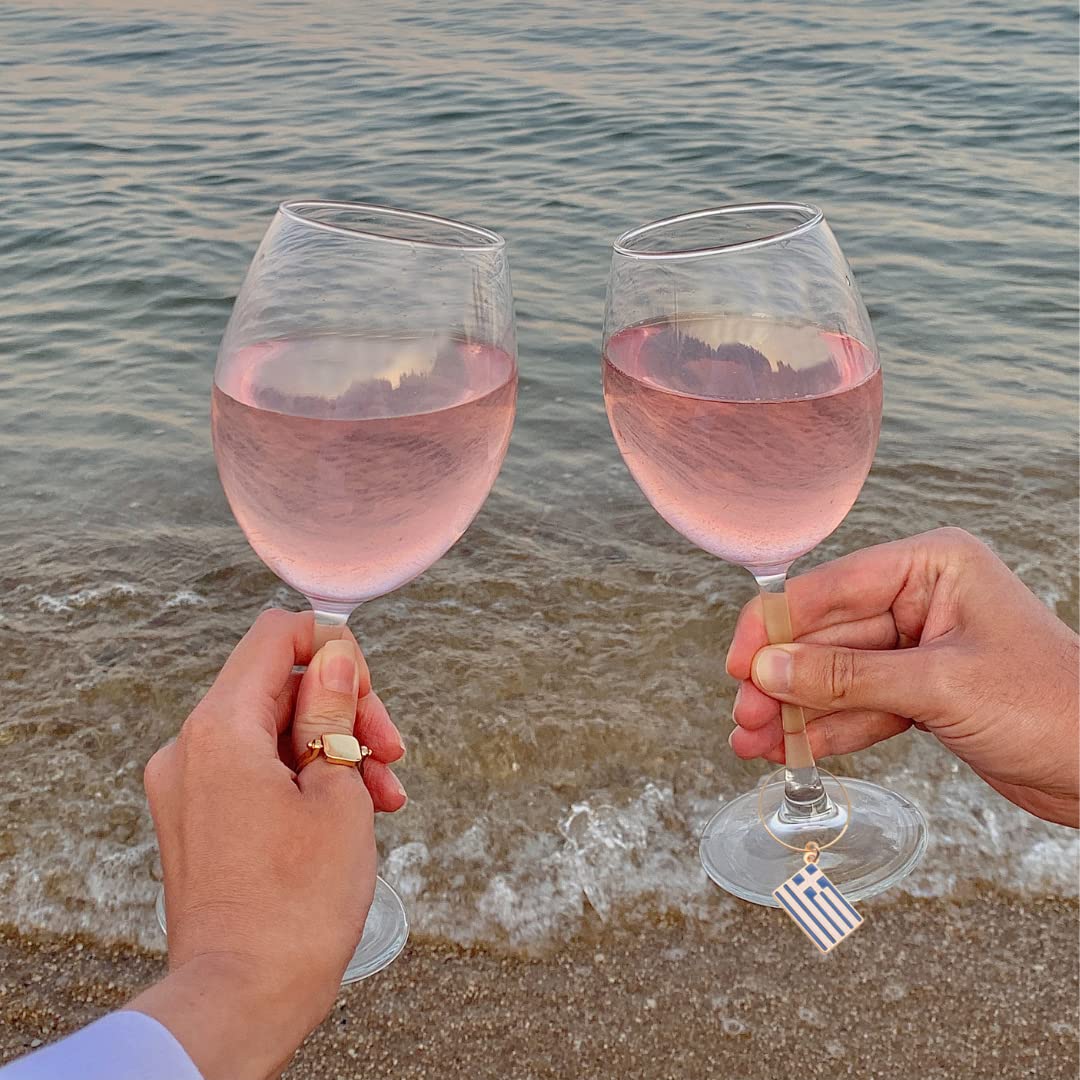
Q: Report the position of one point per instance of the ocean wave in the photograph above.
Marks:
(627, 863)
(84, 597)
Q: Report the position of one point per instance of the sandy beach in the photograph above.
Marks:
(986, 987)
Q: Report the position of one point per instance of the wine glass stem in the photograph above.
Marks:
(329, 619)
(804, 793)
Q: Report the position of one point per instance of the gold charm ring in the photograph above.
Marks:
(337, 749)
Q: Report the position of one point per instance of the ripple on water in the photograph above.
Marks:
(559, 676)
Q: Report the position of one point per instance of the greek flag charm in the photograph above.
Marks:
(818, 906)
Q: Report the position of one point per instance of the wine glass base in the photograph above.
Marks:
(886, 837)
(385, 933)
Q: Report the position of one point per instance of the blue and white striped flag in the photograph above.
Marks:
(818, 906)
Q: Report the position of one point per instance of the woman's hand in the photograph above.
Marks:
(268, 875)
(933, 631)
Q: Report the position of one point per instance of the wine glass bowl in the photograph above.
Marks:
(755, 409)
(362, 405)
(349, 493)
(743, 387)
(364, 395)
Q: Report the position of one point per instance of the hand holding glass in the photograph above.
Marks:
(743, 387)
(362, 406)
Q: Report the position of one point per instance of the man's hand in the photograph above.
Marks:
(933, 631)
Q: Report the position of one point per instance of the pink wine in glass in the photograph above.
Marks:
(751, 437)
(354, 464)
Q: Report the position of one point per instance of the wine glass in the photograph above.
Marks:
(362, 406)
(743, 387)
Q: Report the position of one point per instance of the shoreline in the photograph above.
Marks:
(939, 989)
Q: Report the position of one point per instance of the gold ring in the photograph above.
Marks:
(337, 749)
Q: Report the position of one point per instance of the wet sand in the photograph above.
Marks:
(987, 987)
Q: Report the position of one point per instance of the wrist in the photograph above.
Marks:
(233, 1024)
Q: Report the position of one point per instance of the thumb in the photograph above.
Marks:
(326, 704)
(830, 678)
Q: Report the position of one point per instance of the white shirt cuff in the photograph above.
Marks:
(124, 1045)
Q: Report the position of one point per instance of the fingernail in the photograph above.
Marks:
(337, 667)
(772, 670)
(731, 738)
(398, 787)
(735, 703)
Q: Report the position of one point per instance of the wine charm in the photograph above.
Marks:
(817, 906)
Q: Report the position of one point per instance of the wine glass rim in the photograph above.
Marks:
(299, 209)
(813, 216)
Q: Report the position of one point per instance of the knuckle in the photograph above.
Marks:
(951, 534)
(840, 674)
(272, 618)
(199, 730)
(885, 635)
(154, 774)
(328, 716)
(960, 541)
(346, 788)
